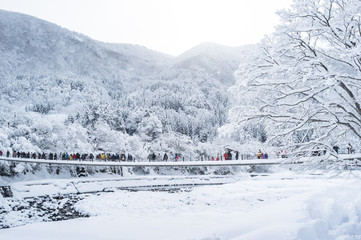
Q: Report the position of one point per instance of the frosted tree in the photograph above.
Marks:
(303, 83)
(150, 127)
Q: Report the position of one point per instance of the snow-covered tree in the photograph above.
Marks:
(150, 127)
(304, 82)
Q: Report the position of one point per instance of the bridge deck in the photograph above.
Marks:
(157, 164)
(274, 161)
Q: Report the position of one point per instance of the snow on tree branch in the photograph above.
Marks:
(303, 82)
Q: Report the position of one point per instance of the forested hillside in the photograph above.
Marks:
(62, 91)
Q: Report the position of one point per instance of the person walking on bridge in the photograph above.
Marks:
(259, 154)
(165, 157)
(350, 149)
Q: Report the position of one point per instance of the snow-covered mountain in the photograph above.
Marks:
(63, 91)
(33, 46)
(218, 60)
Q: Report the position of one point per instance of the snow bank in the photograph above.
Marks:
(334, 213)
(281, 207)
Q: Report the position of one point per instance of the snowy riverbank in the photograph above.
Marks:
(285, 205)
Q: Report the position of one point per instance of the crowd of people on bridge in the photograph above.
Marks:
(179, 157)
(67, 156)
(228, 155)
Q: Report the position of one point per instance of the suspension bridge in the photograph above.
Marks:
(273, 161)
(101, 185)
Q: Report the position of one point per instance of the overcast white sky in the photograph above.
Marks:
(168, 26)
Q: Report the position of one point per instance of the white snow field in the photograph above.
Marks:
(279, 206)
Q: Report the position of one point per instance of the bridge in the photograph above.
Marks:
(274, 161)
(104, 163)
(88, 186)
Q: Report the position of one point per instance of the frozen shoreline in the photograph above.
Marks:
(285, 206)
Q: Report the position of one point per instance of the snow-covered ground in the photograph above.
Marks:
(284, 205)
